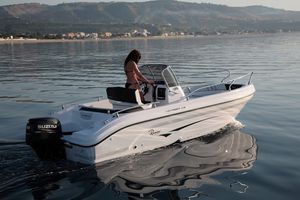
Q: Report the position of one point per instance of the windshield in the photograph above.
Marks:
(161, 74)
(170, 77)
(153, 72)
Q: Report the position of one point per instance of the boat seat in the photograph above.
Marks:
(124, 95)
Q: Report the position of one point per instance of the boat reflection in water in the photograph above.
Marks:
(180, 166)
(164, 173)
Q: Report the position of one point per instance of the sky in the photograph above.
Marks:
(281, 4)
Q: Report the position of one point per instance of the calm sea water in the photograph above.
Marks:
(258, 161)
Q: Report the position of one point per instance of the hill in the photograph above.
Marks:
(156, 16)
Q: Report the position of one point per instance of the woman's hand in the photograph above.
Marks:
(151, 82)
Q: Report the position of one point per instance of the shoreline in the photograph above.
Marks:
(38, 41)
(32, 41)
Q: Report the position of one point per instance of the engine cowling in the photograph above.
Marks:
(44, 136)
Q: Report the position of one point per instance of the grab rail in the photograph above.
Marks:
(200, 88)
(238, 78)
(249, 81)
(229, 81)
(229, 74)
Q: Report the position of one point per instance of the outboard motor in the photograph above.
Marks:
(44, 136)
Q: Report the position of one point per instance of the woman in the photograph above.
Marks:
(132, 71)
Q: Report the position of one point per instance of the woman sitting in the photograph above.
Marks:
(132, 71)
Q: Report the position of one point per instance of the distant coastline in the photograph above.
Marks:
(21, 41)
(33, 41)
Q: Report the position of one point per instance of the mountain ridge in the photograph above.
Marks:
(161, 15)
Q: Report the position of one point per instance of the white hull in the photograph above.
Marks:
(145, 131)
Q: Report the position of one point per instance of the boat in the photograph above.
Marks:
(127, 122)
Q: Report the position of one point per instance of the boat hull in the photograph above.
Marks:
(191, 120)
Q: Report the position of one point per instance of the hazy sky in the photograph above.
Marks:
(283, 4)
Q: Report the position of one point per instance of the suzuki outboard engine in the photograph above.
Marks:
(44, 136)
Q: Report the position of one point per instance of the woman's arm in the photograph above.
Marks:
(140, 76)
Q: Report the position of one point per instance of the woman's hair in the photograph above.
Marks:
(134, 55)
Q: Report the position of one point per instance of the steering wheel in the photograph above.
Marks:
(144, 88)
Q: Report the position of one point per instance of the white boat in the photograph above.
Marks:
(123, 124)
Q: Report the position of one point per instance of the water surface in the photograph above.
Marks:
(39, 78)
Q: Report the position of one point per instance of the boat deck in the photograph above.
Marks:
(109, 106)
